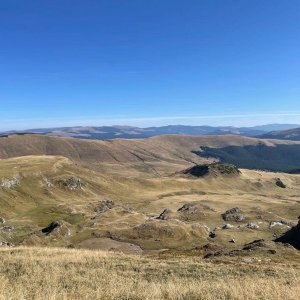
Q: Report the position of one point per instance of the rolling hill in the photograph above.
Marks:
(291, 134)
(158, 155)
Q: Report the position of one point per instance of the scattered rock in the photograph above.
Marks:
(235, 210)
(71, 183)
(186, 207)
(51, 227)
(254, 245)
(233, 214)
(278, 223)
(227, 226)
(165, 214)
(279, 183)
(212, 235)
(252, 225)
(7, 228)
(46, 182)
(239, 218)
(11, 183)
(6, 244)
(2, 220)
(232, 241)
(104, 206)
(271, 251)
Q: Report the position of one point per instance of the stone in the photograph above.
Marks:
(212, 235)
(7, 228)
(279, 183)
(233, 214)
(11, 183)
(71, 183)
(252, 225)
(6, 244)
(227, 226)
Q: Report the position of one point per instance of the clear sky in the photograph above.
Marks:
(149, 62)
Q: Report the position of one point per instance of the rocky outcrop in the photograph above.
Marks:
(291, 237)
(214, 169)
(11, 183)
(279, 183)
(52, 226)
(72, 183)
(186, 207)
(255, 245)
(165, 214)
(252, 225)
(233, 214)
(104, 205)
(6, 244)
(6, 228)
(279, 223)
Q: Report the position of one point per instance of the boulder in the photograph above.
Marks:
(291, 237)
(233, 214)
(279, 183)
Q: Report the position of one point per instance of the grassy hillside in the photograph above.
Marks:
(158, 155)
(33, 273)
(41, 195)
(182, 230)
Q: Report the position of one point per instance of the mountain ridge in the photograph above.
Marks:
(131, 132)
(290, 134)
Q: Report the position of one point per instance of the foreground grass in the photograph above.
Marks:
(44, 273)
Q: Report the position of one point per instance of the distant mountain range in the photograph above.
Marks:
(291, 134)
(129, 132)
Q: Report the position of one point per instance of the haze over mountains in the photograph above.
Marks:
(130, 132)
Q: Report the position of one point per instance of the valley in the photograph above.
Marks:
(154, 201)
(138, 192)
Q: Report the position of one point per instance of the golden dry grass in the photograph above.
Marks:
(44, 273)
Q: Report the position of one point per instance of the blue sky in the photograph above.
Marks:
(139, 62)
